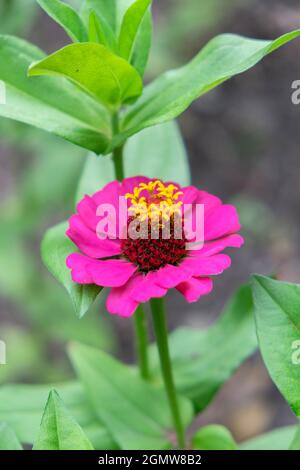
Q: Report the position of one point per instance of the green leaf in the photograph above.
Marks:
(55, 249)
(142, 45)
(112, 11)
(204, 360)
(277, 306)
(98, 20)
(21, 407)
(96, 33)
(213, 437)
(296, 441)
(100, 32)
(66, 17)
(59, 430)
(56, 106)
(169, 161)
(95, 69)
(171, 94)
(130, 27)
(111, 14)
(8, 439)
(135, 412)
(279, 439)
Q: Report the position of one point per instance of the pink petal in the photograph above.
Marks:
(192, 214)
(88, 242)
(195, 288)
(211, 248)
(190, 194)
(109, 194)
(206, 266)
(144, 287)
(221, 221)
(170, 276)
(79, 266)
(128, 184)
(209, 200)
(87, 209)
(108, 273)
(119, 301)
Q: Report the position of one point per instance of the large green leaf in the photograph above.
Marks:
(55, 106)
(279, 439)
(205, 359)
(96, 70)
(277, 307)
(170, 94)
(130, 27)
(8, 439)
(55, 249)
(135, 412)
(59, 430)
(167, 161)
(21, 407)
(213, 437)
(66, 17)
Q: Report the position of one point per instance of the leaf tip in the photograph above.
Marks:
(31, 71)
(258, 279)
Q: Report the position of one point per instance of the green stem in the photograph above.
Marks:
(140, 324)
(142, 342)
(118, 151)
(161, 333)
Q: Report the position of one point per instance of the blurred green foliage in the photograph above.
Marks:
(44, 192)
(180, 26)
(36, 315)
(16, 16)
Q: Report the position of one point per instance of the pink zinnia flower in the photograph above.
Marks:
(137, 270)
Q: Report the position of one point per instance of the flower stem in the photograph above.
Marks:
(140, 324)
(118, 151)
(161, 333)
(142, 342)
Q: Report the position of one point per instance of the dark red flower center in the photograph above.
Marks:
(151, 254)
(155, 242)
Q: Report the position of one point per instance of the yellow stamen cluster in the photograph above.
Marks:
(160, 202)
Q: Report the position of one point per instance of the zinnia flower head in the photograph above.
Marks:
(149, 242)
